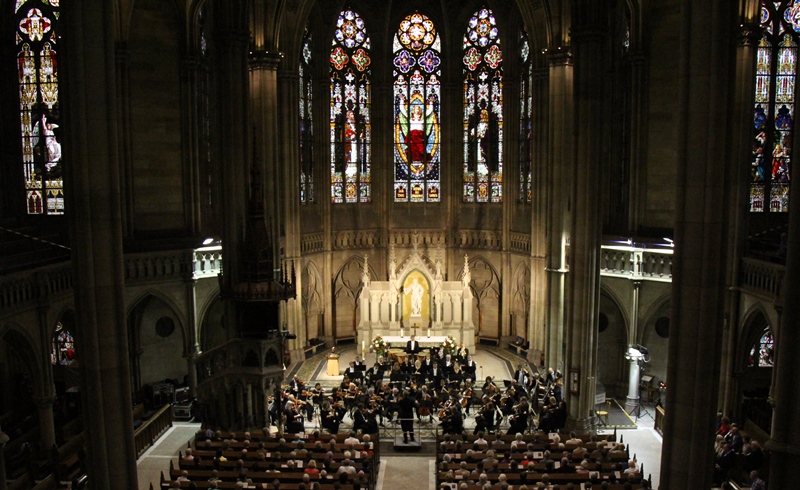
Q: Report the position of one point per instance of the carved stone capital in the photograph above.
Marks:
(748, 35)
(264, 60)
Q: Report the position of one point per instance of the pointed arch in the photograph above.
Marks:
(417, 70)
(350, 114)
(483, 109)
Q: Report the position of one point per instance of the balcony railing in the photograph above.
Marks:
(762, 278)
(647, 264)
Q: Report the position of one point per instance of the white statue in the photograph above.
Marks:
(416, 291)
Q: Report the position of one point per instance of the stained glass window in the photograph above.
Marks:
(350, 111)
(483, 110)
(763, 351)
(63, 351)
(525, 117)
(37, 46)
(306, 126)
(417, 101)
(773, 114)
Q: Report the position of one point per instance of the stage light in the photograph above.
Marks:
(208, 241)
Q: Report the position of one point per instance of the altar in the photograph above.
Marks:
(417, 299)
(424, 342)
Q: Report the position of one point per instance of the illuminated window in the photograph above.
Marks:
(63, 351)
(37, 43)
(306, 126)
(763, 351)
(350, 111)
(525, 117)
(417, 99)
(773, 114)
(483, 110)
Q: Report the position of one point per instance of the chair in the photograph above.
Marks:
(604, 413)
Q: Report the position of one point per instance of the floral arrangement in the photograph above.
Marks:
(450, 345)
(379, 346)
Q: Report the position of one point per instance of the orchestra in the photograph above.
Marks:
(439, 388)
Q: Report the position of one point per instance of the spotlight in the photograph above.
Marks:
(208, 241)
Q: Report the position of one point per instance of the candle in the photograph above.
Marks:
(363, 346)
(429, 332)
(401, 332)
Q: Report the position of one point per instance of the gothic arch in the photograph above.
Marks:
(156, 353)
(487, 291)
(755, 320)
(205, 335)
(521, 298)
(650, 316)
(614, 298)
(155, 293)
(346, 290)
(18, 339)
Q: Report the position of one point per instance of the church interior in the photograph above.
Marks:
(239, 237)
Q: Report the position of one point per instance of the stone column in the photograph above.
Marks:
(92, 178)
(193, 72)
(557, 177)
(634, 357)
(289, 169)
(583, 291)
(783, 444)
(540, 163)
(47, 428)
(192, 346)
(232, 36)
(698, 284)
(739, 208)
(3, 479)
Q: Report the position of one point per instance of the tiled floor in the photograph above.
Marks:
(644, 441)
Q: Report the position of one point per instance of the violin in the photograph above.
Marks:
(445, 408)
(425, 405)
(466, 397)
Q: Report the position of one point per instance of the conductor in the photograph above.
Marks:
(412, 346)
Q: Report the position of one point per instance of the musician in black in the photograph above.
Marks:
(362, 422)
(470, 369)
(406, 407)
(484, 421)
(294, 419)
(332, 414)
(519, 420)
(412, 346)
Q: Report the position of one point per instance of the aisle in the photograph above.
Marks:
(408, 471)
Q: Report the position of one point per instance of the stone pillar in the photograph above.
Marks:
(232, 38)
(540, 163)
(783, 444)
(583, 291)
(193, 329)
(47, 428)
(289, 169)
(739, 209)
(93, 209)
(3, 479)
(698, 284)
(193, 73)
(634, 357)
(558, 176)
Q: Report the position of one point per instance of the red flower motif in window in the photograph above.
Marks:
(472, 59)
(35, 25)
(361, 59)
(494, 56)
(339, 58)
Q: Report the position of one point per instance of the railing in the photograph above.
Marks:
(761, 277)
(636, 263)
(174, 264)
(207, 262)
(312, 243)
(521, 243)
(484, 239)
(150, 431)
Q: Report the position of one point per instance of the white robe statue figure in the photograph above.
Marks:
(416, 291)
